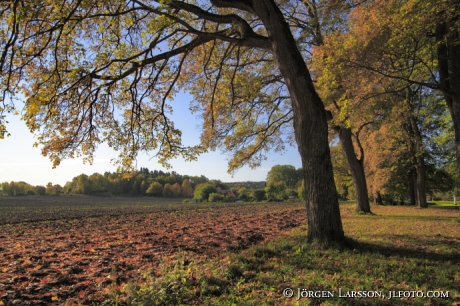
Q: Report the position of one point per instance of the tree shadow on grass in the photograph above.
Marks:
(415, 217)
(419, 251)
(447, 207)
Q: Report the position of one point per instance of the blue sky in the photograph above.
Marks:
(20, 161)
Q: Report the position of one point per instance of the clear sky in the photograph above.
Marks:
(20, 161)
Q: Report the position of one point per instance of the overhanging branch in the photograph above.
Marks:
(388, 75)
(201, 39)
(245, 5)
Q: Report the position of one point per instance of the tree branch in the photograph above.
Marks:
(245, 5)
(429, 85)
(358, 142)
(201, 39)
(239, 25)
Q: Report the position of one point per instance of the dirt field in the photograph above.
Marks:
(36, 208)
(69, 250)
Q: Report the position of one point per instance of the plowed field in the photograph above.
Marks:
(69, 254)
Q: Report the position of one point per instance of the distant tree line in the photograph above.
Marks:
(283, 182)
(22, 188)
(247, 184)
(142, 182)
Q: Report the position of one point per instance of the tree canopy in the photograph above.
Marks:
(396, 45)
(286, 174)
(364, 72)
(108, 72)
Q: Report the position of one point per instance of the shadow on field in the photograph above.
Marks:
(415, 217)
(447, 207)
(419, 252)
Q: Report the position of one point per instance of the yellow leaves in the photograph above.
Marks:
(344, 113)
(158, 22)
(128, 175)
(74, 95)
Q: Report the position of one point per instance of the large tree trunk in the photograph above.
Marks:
(310, 129)
(418, 152)
(357, 169)
(448, 55)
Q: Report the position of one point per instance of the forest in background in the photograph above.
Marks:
(283, 182)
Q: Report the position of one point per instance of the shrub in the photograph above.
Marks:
(155, 189)
(203, 191)
(257, 195)
(216, 197)
(171, 191)
(228, 198)
(40, 190)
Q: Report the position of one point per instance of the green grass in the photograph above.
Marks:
(447, 203)
(396, 249)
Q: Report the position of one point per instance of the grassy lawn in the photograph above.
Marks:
(447, 204)
(402, 251)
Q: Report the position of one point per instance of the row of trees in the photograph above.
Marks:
(282, 183)
(22, 188)
(142, 182)
(208, 192)
(263, 73)
(387, 79)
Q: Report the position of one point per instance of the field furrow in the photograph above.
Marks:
(72, 260)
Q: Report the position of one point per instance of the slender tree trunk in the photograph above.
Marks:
(421, 183)
(455, 112)
(310, 129)
(412, 184)
(357, 169)
(378, 198)
(448, 55)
